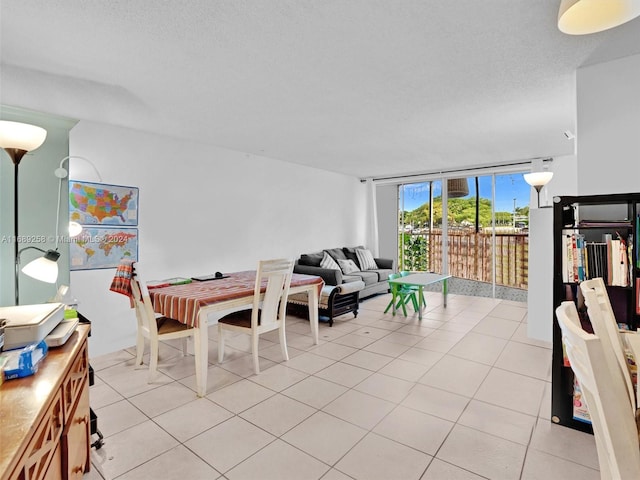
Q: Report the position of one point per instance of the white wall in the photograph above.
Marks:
(204, 209)
(608, 127)
(540, 291)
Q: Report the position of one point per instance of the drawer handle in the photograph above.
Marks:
(78, 469)
(84, 419)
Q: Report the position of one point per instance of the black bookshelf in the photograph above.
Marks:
(591, 217)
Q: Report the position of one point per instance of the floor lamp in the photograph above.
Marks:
(17, 139)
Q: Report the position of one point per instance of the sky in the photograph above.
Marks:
(508, 187)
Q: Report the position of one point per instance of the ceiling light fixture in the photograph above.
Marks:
(581, 17)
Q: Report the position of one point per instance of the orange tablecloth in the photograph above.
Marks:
(183, 302)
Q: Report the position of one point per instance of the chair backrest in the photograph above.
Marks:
(605, 326)
(394, 287)
(142, 302)
(613, 422)
(278, 274)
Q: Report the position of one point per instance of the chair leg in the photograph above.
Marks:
(220, 345)
(153, 359)
(283, 343)
(414, 300)
(393, 300)
(184, 346)
(139, 349)
(404, 305)
(254, 351)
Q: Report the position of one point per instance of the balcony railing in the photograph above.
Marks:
(470, 255)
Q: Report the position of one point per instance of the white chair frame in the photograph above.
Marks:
(606, 328)
(268, 312)
(606, 397)
(153, 327)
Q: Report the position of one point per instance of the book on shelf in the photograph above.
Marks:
(610, 259)
(580, 411)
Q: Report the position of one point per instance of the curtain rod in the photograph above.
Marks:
(458, 170)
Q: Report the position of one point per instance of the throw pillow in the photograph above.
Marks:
(348, 266)
(329, 263)
(365, 259)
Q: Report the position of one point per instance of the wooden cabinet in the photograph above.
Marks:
(44, 418)
(594, 236)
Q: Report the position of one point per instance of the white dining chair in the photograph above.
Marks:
(605, 326)
(606, 398)
(268, 312)
(154, 327)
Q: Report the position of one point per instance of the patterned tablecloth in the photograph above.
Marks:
(183, 302)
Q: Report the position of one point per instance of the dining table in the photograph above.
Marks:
(421, 280)
(201, 303)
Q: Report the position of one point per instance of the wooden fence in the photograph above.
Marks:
(470, 256)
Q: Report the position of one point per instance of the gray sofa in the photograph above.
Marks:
(375, 281)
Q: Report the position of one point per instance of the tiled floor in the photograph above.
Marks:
(464, 394)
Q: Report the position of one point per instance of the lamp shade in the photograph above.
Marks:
(457, 187)
(44, 268)
(538, 179)
(21, 136)
(580, 17)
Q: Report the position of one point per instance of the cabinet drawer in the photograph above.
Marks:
(75, 381)
(42, 448)
(75, 438)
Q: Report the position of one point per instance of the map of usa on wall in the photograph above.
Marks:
(100, 204)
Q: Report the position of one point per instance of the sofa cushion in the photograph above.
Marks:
(336, 253)
(366, 260)
(329, 263)
(350, 253)
(311, 259)
(348, 266)
(354, 277)
(368, 277)
(383, 273)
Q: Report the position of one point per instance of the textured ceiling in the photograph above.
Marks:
(361, 87)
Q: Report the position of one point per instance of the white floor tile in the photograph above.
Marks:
(229, 443)
(385, 387)
(565, 443)
(279, 461)
(376, 457)
(434, 401)
(479, 348)
(414, 429)
(439, 470)
(241, 395)
(177, 464)
(543, 466)
(277, 414)
(192, 418)
(344, 374)
(484, 454)
(512, 391)
(498, 421)
(315, 392)
(359, 408)
(131, 448)
(526, 359)
(325, 437)
(456, 375)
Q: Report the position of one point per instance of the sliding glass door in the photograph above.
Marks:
(485, 228)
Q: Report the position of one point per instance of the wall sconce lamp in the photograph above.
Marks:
(17, 139)
(61, 173)
(538, 180)
(580, 17)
